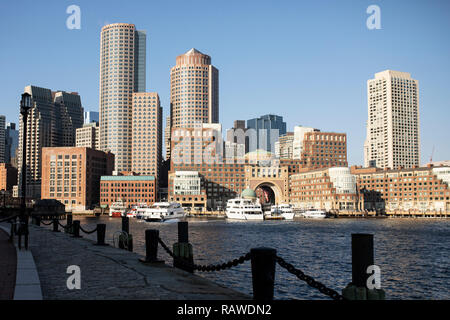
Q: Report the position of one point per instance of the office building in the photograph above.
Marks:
(393, 139)
(11, 144)
(122, 72)
(267, 129)
(91, 116)
(88, 136)
(8, 177)
(71, 175)
(323, 149)
(52, 122)
(2, 139)
(147, 134)
(284, 147)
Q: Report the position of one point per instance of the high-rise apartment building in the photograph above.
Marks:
(88, 136)
(393, 139)
(52, 122)
(194, 91)
(147, 134)
(122, 72)
(268, 128)
(167, 137)
(2, 138)
(11, 144)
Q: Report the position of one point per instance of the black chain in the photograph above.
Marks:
(46, 224)
(208, 268)
(88, 232)
(63, 226)
(308, 279)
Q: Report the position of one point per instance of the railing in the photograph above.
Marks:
(263, 260)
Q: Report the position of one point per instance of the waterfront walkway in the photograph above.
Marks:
(8, 266)
(111, 273)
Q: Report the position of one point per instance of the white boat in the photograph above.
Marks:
(162, 211)
(117, 209)
(244, 209)
(133, 211)
(283, 210)
(314, 213)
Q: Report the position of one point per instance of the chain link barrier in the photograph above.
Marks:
(309, 280)
(88, 232)
(46, 224)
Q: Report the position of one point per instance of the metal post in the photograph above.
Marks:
(362, 257)
(76, 229)
(126, 224)
(101, 232)
(69, 223)
(183, 232)
(55, 225)
(151, 246)
(263, 272)
(37, 220)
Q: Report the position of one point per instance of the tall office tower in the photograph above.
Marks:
(233, 138)
(52, 122)
(393, 121)
(266, 134)
(167, 137)
(11, 144)
(194, 91)
(122, 72)
(2, 138)
(91, 116)
(147, 134)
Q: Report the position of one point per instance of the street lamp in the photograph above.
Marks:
(25, 106)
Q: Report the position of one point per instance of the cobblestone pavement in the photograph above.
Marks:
(8, 265)
(111, 273)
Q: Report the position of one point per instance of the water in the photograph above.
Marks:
(413, 254)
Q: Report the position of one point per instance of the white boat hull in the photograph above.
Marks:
(288, 215)
(243, 216)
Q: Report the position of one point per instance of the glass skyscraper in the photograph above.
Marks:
(268, 128)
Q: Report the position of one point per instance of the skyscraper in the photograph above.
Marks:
(52, 122)
(266, 134)
(122, 72)
(91, 116)
(2, 138)
(393, 121)
(11, 144)
(147, 134)
(194, 91)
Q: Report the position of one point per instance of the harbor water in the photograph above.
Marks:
(413, 254)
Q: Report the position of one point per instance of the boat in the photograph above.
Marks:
(244, 209)
(132, 213)
(162, 211)
(117, 209)
(283, 211)
(314, 213)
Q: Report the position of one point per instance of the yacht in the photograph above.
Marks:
(283, 210)
(314, 213)
(117, 209)
(244, 209)
(162, 211)
(132, 213)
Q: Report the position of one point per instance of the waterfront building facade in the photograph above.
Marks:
(419, 188)
(324, 149)
(188, 189)
(52, 122)
(147, 134)
(122, 72)
(194, 92)
(71, 175)
(129, 188)
(393, 136)
(88, 136)
(327, 189)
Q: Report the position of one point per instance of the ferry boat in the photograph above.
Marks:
(284, 210)
(133, 211)
(117, 209)
(162, 211)
(314, 214)
(244, 209)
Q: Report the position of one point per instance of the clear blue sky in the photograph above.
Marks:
(305, 60)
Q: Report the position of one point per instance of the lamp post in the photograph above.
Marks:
(25, 106)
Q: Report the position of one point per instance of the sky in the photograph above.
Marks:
(308, 61)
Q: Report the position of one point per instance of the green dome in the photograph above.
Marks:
(248, 193)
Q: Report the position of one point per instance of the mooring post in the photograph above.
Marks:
(37, 220)
(101, 233)
(263, 272)
(125, 224)
(183, 255)
(69, 223)
(76, 229)
(55, 225)
(151, 246)
(362, 257)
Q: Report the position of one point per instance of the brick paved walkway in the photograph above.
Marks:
(111, 273)
(8, 265)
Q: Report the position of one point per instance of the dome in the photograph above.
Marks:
(248, 194)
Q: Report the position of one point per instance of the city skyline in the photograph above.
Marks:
(342, 73)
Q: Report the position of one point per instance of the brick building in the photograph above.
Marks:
(72, 175)
(8, 177)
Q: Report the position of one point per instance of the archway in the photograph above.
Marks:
(267, 195)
